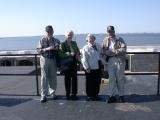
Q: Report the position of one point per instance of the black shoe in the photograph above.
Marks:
(121, 99)
(112, 99)
(68, 97)
(97, 98)
(89, 98)
(43, 99)
(74, 97)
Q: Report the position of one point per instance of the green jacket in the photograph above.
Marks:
(65, 48)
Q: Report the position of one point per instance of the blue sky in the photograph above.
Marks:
(29, 17)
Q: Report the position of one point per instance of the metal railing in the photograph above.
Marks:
(36, 68)
(81, 73)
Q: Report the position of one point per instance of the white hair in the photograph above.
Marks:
(70, 31)
(90, 36)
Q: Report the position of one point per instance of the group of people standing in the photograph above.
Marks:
(111, 53)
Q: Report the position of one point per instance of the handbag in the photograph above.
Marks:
(65, 63)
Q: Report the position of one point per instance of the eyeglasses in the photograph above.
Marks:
(110, 31)
(70, 35)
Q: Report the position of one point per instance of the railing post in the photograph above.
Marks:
(36, 68)
(158, 73)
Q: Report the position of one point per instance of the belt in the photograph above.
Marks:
(112, 56)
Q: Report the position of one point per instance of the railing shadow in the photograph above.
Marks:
(135, 98)
(10, 102)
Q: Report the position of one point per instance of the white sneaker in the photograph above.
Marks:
(43, 99)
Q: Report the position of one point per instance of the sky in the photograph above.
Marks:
(29, 17)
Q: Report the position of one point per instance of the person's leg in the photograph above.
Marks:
(112, 80)
(67, 80)
(88, 89)
(97, 82)
(92, 83)
(74, 80)
(112, 77)
(44, 78)
(120, 74)
(52, 76)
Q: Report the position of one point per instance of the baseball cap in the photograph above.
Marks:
(49, 28)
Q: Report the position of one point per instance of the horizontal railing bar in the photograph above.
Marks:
(39, 54)
(18, 54)
(83, 73)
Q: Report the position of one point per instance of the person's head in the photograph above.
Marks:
(49, 31)
(69, 35)
(111, 31)
(90, 38)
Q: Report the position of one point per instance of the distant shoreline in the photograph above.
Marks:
(144, 33)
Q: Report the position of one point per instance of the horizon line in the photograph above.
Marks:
(80, 34)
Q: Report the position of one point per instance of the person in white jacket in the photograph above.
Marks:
(90, 58)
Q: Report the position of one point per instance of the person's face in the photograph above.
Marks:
(91, 41)
(50, 33)
(70, 35)
(111, 33)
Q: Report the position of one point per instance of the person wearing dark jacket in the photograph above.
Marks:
(70, 49)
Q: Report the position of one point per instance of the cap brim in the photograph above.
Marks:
(49, 30)
(110, 30)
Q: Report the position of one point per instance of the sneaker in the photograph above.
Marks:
(43, 99)
(112, 99)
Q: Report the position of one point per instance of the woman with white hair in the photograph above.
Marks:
(91, 63)
(70, 49)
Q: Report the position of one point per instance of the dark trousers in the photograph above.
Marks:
(71, 79)
(93, 81)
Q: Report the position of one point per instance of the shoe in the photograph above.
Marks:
(89, 98)
(54, 96)
(68, 97)
(112, 99)
(121, 99)
(74, 97)
(97, 98)
(43, 99)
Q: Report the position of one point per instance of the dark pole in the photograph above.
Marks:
(36, 67)
(158, 73)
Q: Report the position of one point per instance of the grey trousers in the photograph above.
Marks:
(48, 76)
(116, 69)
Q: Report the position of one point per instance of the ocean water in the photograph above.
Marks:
(30, 43)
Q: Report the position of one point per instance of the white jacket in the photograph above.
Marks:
(90, 56)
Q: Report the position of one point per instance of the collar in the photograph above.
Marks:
(90, 45)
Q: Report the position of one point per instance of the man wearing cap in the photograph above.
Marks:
(114, 49)
(48, 48)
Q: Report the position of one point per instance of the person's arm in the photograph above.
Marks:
(122, 49)
(104, 49)
(62, 51)
(55, 46)
(39, 47)
(77, 49)
(84, 59)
